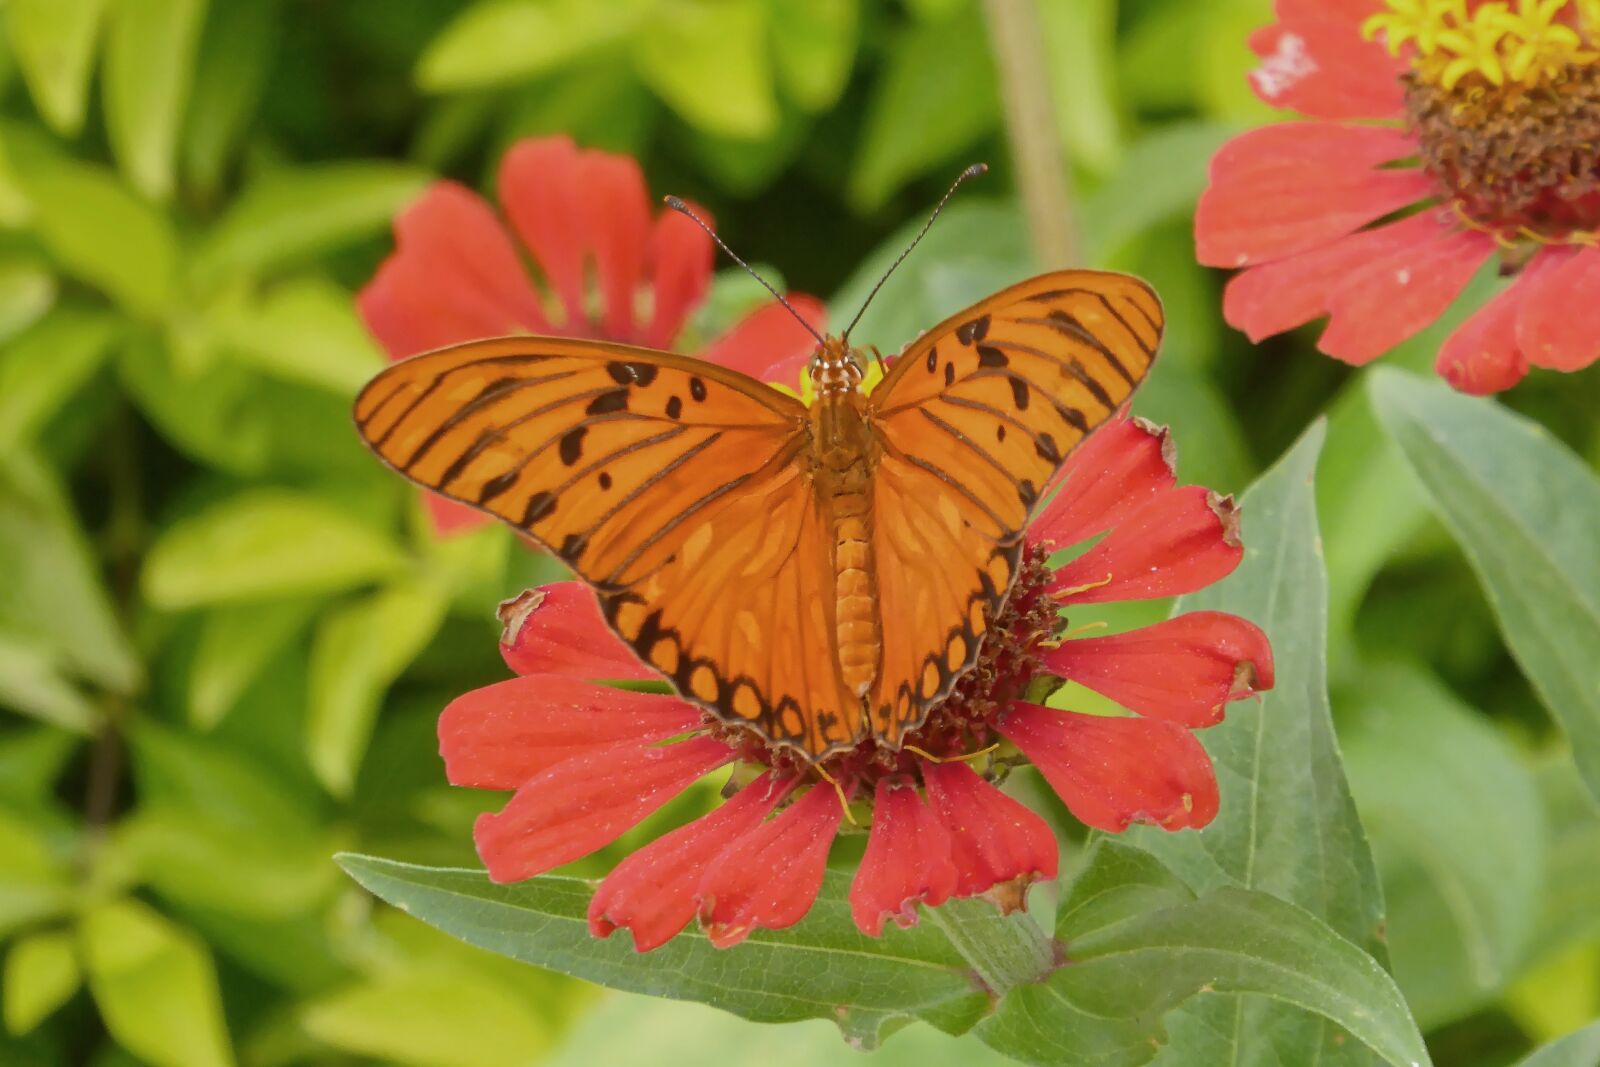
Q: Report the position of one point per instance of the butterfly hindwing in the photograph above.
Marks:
(975, 418)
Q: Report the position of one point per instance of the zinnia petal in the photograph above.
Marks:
(1184, 670)
(652, 892)
(1116, 471)
(558, 629)
(769, 877)
(994, 840)
(448, 517)
(907, 861)
(1179, 541)
(1484, 354)
(1559, 324)
(1316, 62)
(501, 735)
(681, 256)
(541, 187)
(586, 802)
(768, 344)
(1114, 771)
(1389, 300)
(617, 224)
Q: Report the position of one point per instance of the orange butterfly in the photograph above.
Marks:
(817, 574)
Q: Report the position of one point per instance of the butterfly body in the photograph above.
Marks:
(817, 575)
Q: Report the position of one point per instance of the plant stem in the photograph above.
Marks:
(1006, 952)
(1017, 40)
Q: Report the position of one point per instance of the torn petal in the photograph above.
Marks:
(558, 629)
(907, 861)
(1179, 541)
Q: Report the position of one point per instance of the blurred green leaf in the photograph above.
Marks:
(1079, 45)
(150, 51)
(1578, 1049)
(498, 41)
(263, 544)
(292, 215)
(1525, 510)
(1287, 825)
(33, 680)
(236, 644)
(822, 968)
(156, 987)
(42, 368)
(237, 49)
(30, 761)
(358, 651)
(33, 884)
(50, 585)
(1568, 916)
(27, 291)
(1161, 176)
(711, 63)
(1459, 836)
(430, 1020)
(41, 973)
(935, 97)
(213, 413)
(303, 330)
(54, 42)
(76, 205)
(814, 45)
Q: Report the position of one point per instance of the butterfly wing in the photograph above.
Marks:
(669, 485)
(975, 418)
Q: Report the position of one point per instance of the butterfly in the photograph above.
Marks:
(820, 575)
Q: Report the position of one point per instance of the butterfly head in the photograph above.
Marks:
(835, 368)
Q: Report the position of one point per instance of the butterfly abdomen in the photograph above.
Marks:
(843, 477)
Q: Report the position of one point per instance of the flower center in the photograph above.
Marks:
(962, 725)
(1506, 106)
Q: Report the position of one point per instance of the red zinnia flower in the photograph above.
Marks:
(606, 271)
(589, 761)
(1488, 145)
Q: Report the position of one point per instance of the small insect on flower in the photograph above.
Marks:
(606, 271)
(854, 601)
(1489, 148)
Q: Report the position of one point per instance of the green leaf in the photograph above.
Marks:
(75, 205)
(1160, 177)
(1229, 941)
(292, 215)
(215, 414)
(31, 759)
(498, 41)
(41, 973)
(1578, 1049)
(27, 292)
(54, 42)
(304, 330)
(263, 544)
(34, 681)
(822, 968)
(1287, 824)
(1568, 917)
(356, 655)
(41, 369)
(1458, 833)
(155, 986)
(1525, 510)
(1079, 47)
(934, 98)
(236, 644)
(51, 593)
(149, 65)
(814, 45)
(33, 885)
(237, 49)
(711, 64)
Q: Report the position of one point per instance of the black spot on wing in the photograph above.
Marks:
(625, 372)
(990, 356)
(674, 407)
(539, 506)
(697, 389)
(1045, 445)
(498, 484)
(933, 360)
(1019, 392)
(976, 330)
(571, 447)
(605, 480)
(949, 374)
(608, 402)
(572, 547)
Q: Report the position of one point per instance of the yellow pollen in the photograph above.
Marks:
(1528, 44)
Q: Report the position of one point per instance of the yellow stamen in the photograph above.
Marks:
(844, 801)
(931, 758)
(1531, 44)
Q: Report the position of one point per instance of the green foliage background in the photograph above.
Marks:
(225, 631)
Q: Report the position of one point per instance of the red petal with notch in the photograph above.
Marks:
(454, 276)
(770, 877)
(1316, 62)
(994, 840)
(584, 803)
(501, 735)
(681, 258)
(541, 187)
(1389, 300)
(652, 892)
(1122, 466)
(1184, 670)
(1114, 771)
(1179, 541)
(907, 861)
(768, 344)
(1483, 355)
(1286, 293)
(1559, 324)
(558, 629)
(617, 224)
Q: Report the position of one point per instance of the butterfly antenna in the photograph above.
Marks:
(679, 206)
(971, 172)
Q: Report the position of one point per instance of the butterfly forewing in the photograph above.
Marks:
(974, 419)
